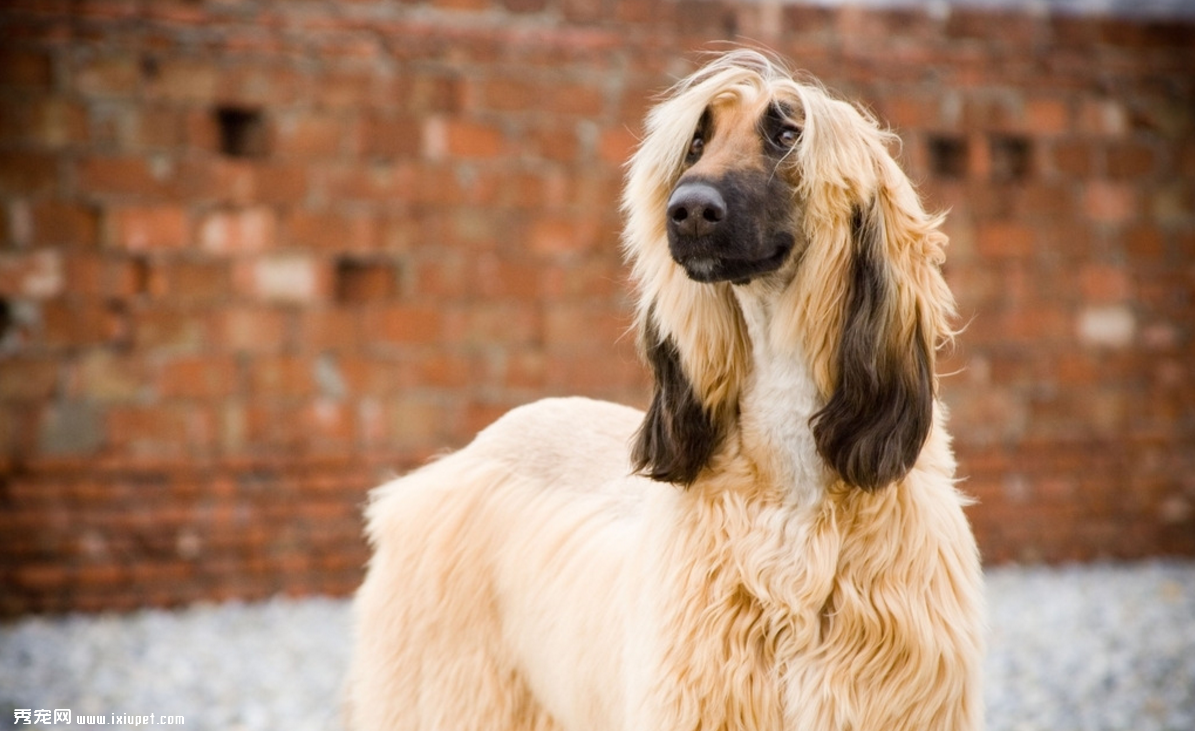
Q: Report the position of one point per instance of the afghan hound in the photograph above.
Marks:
(808, 566)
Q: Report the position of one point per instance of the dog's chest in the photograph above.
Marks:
(778, 402)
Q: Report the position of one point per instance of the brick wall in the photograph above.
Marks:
(257, 255)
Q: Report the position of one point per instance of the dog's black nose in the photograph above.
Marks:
(695, 209)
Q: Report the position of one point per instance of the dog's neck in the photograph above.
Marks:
(777, 404)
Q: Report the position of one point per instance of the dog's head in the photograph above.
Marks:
(747, 174)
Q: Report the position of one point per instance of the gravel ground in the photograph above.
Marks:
(1090, 648)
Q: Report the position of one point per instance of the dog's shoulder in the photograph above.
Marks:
(553, 419)
(561, 439)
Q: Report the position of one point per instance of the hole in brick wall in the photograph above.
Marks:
(1012, 157)
(139, 275)
(948, 156)
(365, 281)
(730, 25)
(242, 131)
(151, 68)
(7, 322)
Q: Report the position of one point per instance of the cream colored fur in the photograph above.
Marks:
(532, 581)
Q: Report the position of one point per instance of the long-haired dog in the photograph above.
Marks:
(810, 566)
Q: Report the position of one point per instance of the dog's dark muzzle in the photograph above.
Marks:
(729, 230)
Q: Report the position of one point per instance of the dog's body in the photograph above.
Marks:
(815, 572)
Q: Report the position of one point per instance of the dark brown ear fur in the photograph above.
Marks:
(879, 416)
(678, 437)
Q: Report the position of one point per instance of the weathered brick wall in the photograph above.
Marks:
(257, 254)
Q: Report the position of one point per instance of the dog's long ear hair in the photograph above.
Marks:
(691, 334)
(678, 436)
(871, 304)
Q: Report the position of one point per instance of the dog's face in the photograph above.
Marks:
(730, 216)
(748, 175)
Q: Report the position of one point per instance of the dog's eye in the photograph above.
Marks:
(696, 147)
(787, 136)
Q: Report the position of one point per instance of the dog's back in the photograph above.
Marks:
(489, 563)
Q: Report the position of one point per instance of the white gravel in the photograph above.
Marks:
(1080, 648)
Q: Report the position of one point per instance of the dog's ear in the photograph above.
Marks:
(678, 437)
(879, 414)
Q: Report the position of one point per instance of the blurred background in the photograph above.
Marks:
(256, 256)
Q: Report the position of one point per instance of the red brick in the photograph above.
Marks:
(1073, 157)
(434, 93)
(310, 136)
(1145, 242)
(583, 10)
(583, 327)
(1104, 283)
(103, 376)
(524, 6)
(26, 68)
(444, 276)
(32, 275)
(1107, 202)
(192, 281)
(391, 136)
(378, 181)
(329, 329)
(58, 222)
(252, 329)
(281, 376)
(106, 276)
(567, 279)
(993, 113)
(442, 370)
(404, 324)
(1006, 239)
(50, 122)
(239, 231)
(170, 329)
(551, 141)
(501, 278)
(284, 278)
(147, 228)
(1034, 201)
(509, 93)
(27, 173)
(351, 89)
(461, 138)
(186, 80)
(123, 176)
(111, 76)
(1047, 116)
(416, 421)
(43, 576)
(557, 235)
(332, 231)
(266, 86)
(198, 377)
(161, 430)
(151, 128)
(328, 425)
(461, 4)
(25, 379)
(616, 145)
(366, 280)
(81, 323)
(1131, 160)
(1103, 117)
(376, 375)
(523, 369)
(493, 323)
